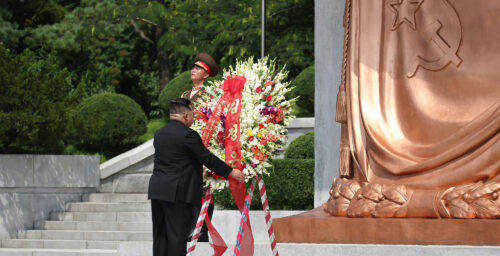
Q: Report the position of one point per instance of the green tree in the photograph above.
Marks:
(10, 33)
(135, 47)
(290, 33)
(227, 29)
(101, 49)
(35, 96)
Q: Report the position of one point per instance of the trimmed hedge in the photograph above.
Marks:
(304, 88)
(110, 122)
(302, 147)
(289, 187)
(175, 88)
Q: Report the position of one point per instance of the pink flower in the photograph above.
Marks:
(258, 89)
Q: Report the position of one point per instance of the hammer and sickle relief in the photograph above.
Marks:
(445, 49)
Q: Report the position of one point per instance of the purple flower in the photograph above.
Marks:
(223, 121)
(206, 111)
(253, 165)
(268, 111)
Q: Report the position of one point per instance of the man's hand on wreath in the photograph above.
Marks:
(237, 175)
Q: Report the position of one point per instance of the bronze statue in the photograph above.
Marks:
(419, 106)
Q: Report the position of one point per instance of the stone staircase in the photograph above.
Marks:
(114, 224)
(94, 227)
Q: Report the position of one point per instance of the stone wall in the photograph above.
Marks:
(31, 186)
(328, 48)
(132, 179)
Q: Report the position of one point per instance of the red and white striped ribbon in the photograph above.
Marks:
(267, 212)
(244, 218)
(199, 222)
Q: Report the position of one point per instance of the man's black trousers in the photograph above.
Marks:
(171, 227)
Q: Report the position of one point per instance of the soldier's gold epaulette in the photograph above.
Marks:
(184, 94)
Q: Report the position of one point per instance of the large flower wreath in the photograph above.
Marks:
(265, 115)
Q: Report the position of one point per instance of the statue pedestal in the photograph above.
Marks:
(316, 226)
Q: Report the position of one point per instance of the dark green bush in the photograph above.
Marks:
(36, 96)
(302, 147)
(176, 87)
(111, 123)
(289, 187)
(304, 88)
(173, 90)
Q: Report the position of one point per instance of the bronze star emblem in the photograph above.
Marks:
(404, 11)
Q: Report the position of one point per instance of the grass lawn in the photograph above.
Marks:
(153, 126)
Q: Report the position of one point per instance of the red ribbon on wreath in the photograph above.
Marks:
(231, 99)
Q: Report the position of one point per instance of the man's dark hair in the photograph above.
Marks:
(179, 106)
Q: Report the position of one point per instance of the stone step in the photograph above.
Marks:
(293, 249)
(114, 197)
(55, 252)
(94, 225)
(226, 222)
(109, 207)
(59, 244)
(102, 216)
(86, 235)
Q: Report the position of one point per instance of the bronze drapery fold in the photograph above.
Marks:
(422, 96)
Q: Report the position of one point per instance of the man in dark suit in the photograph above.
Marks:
(203, 67)
(176, 184)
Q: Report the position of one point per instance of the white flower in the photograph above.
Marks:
(252, 104)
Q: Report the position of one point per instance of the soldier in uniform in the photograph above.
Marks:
(204, 66)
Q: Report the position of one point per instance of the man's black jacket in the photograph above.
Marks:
(179, 157)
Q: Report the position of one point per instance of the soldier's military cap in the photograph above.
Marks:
(206, 62)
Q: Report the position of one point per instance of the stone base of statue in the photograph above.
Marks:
(419, 108)
(317, 226)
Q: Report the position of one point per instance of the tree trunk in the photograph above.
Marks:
(162, 58)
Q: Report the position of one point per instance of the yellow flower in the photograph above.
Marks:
(249, 132)
(224, 156)
(248, 149)
(259, 135)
